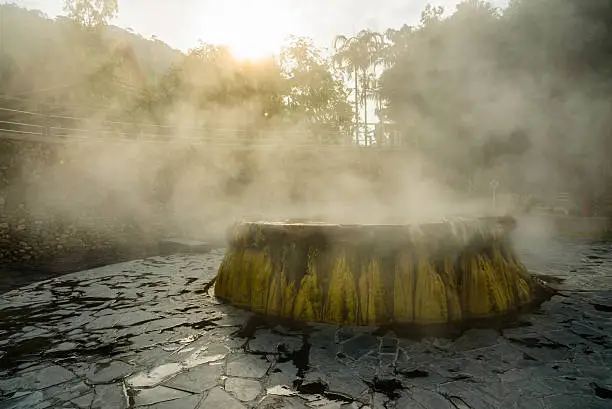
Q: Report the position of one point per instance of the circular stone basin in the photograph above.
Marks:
(437, 273)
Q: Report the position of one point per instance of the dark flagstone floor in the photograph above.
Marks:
(148, 334)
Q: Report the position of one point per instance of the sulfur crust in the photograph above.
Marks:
(342, 283)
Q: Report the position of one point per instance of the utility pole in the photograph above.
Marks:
(2, 28)
(494, 184)
(3, 86)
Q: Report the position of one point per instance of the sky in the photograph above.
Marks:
(253, 28)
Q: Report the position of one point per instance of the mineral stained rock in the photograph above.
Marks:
(438, 273)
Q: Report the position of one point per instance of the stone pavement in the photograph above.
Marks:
(148, 334)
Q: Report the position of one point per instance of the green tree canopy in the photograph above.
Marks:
(91, 13)
(312, 91)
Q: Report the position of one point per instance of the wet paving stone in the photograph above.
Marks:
(190, 402)
(109, 396)
(219, 398)
(198, 379)
(157, 394)
(244, 389)
(248, 366)
(147, 334)
(108, 373)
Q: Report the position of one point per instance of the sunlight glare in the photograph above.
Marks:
(251, 29)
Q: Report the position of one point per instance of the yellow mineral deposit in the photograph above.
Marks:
(431, 274)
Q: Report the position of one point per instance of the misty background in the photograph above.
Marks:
(410, 119)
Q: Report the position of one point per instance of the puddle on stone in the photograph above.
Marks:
(196, 361)
(164, 372)
(154, 376)
(158, 394)
(281, 390)
(187, 340)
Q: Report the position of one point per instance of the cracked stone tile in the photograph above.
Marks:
(37, 379)
(518, 402)
(100, 291)
(346, 384)
(110, 372)
(198, 379)
(360, 345)
(247, 366)
(28, 401)
(244, 389)
(154, 376)
(389, 344)
(164, 324)
(355, 405)
(109, 396)
(77, 322)
(189, 402)
(565, 338)
(267, 341)
(224, 335)
(571, 401)
(541, 349)
(103, 322)
(426, 398)
(205, 355)
(158, 394)
(84, 401)
(468, 395)
(365, 368)
(326, 360)
(218, 398)
(137, 317)
(280, 390)
(63, 347)
(326, 404)
(105, 311)
(597, 373)
(378, 400)
(409, 348)
(150, 339)
(476, 339)
(386, 364)
(285, 402)
(66, 392)
(282, 374)
(131, 331)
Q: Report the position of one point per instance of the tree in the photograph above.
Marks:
(91, 13)
(217, 90)
(431, 15)
(397, 42)
(356, 56)
(311, 91)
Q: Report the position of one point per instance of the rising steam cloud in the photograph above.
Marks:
(198, 189)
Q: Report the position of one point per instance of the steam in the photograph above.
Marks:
(197, 188)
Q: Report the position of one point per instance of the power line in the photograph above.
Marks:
(210, 134)
(140, 125)
(92, 108)
(25, 136)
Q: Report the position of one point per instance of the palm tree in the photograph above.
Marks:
(372, 44)
(356, 56)
(345, 50)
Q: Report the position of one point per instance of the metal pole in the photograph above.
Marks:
(2, 28)
(494, 184)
